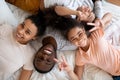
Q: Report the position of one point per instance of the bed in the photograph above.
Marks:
(91, 72)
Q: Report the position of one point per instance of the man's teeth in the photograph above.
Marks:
(48, 52)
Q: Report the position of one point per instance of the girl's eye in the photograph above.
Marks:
(27, 32)
(80, 35)
(23, 25)
(73, 39)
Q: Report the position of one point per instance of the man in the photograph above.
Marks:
(43, 60)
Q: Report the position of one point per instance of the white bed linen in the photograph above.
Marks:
(91, 72)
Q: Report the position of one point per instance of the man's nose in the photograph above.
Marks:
(45, 57)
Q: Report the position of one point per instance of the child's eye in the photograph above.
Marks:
(73, 40)
(80, 34)
(23, 24)
(27, 32)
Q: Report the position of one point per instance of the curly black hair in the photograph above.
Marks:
(39, 21)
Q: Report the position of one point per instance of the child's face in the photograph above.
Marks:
(78, 36)
(87, 14)
(25, 32)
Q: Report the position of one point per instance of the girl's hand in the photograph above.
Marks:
(63, 65)
(97, 24)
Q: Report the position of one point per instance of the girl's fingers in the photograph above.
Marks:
(56, 60)
(96, 24)
(91, 24)
(64, 60)
(59, 64)
(93, 29)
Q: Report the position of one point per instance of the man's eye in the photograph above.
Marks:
(41, 58)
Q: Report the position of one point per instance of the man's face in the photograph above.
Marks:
(44, 58)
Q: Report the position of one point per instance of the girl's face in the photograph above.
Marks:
(26, 32)
(78, 36)
(87, 14)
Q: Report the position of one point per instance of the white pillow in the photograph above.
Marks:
(62, 43)
(6, 16)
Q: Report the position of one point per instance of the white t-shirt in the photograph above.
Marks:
(13, 55)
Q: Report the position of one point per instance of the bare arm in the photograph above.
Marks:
(72, 75)
(106, 19)
(79, 71)
(63, 11)
(25, 74)
(63, 65)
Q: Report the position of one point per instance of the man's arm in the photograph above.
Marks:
(25, 74)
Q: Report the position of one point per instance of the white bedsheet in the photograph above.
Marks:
(91, 72)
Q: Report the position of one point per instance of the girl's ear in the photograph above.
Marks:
(34, 38)
(86, 32)
(83, 30)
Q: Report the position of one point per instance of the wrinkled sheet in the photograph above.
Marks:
(112, 34)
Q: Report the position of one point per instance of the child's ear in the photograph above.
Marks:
(83, 29)
(34, 38)
(86, 32)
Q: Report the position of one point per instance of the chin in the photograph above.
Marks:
(82, 45)
(78, 45)
(21, 42)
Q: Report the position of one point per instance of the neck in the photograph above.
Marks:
(85, 48)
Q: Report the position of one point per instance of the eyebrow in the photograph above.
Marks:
(27, 28)
(74, 36)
